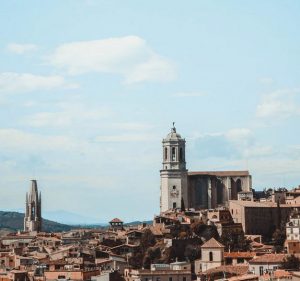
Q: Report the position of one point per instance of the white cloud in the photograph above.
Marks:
(238, 134)
(133, 126)
(69, 114)
(18, 140)
(280, 104)
(27, 82)
(188, 94)
(126, 138)
(128, 56)
(21, 48)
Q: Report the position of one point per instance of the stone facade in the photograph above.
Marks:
(173, 176)
(197, 190)
(33, 209)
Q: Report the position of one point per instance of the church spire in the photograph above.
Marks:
(33, 214)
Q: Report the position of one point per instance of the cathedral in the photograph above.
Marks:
(33, 209)
(195, 190)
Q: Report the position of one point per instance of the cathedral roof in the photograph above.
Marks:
(220, 173)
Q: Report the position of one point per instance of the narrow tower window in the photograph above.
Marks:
(166, 153)
(180, 154)
(173, 154)
(210, 256)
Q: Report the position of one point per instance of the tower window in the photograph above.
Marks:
(210, 256)
(174, 187)
(180, 154)
(173, 154)
(174, 205)
(166, 153)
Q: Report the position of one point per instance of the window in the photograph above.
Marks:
(261, 270)
(174, 205)
(174, 187)
(157, 278)
(183, 278)
(166, 153)
(170, 279)
(180, 154)
(211, 256)
(173, 154)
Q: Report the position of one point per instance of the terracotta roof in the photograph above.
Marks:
(212, 243)
(244, 277)
(232, 269)
(220, 173)
(239, 255)
(268, 258)
(163, 272)
(116, 220)
(279, 273)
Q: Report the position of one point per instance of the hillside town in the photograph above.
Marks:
(212, 226)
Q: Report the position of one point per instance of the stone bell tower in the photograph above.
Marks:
(173, 176)
(33, 209)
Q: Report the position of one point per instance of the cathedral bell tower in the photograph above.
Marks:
(33, 209)
(173, 176)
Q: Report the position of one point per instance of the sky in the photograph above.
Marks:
(89, 88)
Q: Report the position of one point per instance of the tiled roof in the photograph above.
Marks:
(164, 272)
(232, 269)
(239, 255)
(116, 220)
(268, 258)
(220, 173)
(212, 243)
(244, 277)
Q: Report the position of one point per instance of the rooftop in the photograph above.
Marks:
(220, 173)
(212, 243)
(116, 220)
(269, 258)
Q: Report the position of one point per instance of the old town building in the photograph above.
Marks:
(197, 190)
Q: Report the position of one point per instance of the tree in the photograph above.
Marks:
(147, 240)
(291, 262)
(182, 205)
(279, 237)
(152, 256)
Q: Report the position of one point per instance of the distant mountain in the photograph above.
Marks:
(14, 221)
(70, 218)
(138, 222)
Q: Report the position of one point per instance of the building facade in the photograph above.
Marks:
(197, 190)
(33, 209)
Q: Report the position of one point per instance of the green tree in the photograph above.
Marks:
(291, 262)
(278, 238)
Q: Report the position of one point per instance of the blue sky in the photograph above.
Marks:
(88, 89)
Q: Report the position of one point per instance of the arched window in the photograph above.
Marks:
(210, 256)
(173, 154)
(180, 154)
(166, 153)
